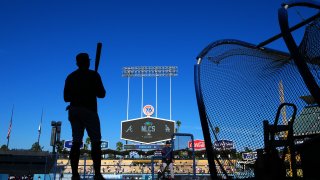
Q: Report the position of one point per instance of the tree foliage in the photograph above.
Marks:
(4, 148)
(87, 143)
(178, 125)
(217, 131)
(60, 145)
(119, 146)
(36, 147)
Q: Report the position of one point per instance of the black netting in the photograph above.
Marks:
(309, 47)
(241, 86)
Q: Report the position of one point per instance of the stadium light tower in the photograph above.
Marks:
(149, 71)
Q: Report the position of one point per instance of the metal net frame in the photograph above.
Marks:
(240, 85)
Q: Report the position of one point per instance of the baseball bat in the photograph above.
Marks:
(98, 53)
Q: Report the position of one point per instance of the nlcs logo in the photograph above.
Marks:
(148, 110)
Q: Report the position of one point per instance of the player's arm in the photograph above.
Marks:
(66, 91)
(101, 92)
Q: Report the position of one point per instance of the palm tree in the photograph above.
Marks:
(217, 130)
(119, 146)
(60, 146)
(88, 142)
(4, 148)
(36, 147)
(178, 125)
(178, 130)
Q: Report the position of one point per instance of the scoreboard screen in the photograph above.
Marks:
(147, 130)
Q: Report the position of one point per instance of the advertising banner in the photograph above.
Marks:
(104, 144)
(198, 145)
(249, 156)
(143, 146)
(68, 144)
(223, 145)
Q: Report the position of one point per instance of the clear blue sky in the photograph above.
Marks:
(39, 41)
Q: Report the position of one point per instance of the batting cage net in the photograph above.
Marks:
(240, 87)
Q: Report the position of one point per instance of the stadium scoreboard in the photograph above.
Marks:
(147, 130)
